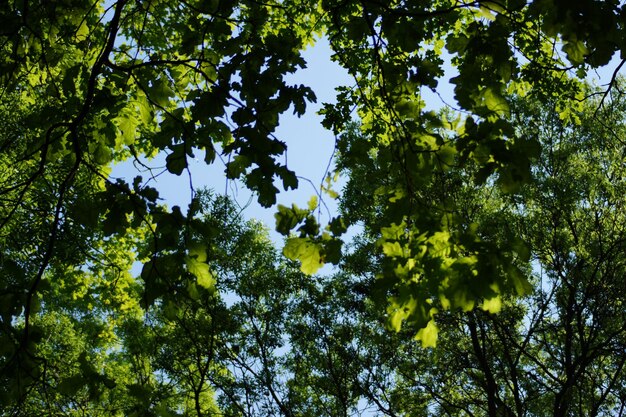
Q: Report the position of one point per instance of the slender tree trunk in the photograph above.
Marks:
(490, 383)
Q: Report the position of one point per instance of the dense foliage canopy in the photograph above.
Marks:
(508, 201)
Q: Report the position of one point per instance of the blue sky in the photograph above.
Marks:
(309, 150)
(310, 146)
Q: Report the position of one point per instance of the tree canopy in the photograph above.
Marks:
(507, 201)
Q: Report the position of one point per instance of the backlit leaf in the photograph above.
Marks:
(307, 252)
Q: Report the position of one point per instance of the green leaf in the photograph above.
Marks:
(290, 180)
(392, 249)
(456, 43)
(70, 79)
(288, 218)
(82, 32)
(160, 91)
(196, 264)
(102, 154)
(576, 51)
(176, 161)
(202, 272)
(399, 310)
(428, 335)
(127, 123)
(236, 167)
(337, 226)
(519, 281)
(492, 305)
(307, 252)
(313, 203)
(495, 102)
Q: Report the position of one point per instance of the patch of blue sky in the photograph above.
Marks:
(310, 149)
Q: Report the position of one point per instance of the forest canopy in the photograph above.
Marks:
(491, 230)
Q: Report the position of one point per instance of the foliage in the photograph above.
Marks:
(557, 351)
(453, 203)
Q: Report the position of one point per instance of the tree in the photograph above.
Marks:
(557, 351)
(89, 83)
(208, 344)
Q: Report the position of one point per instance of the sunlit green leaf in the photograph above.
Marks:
(305, 251)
